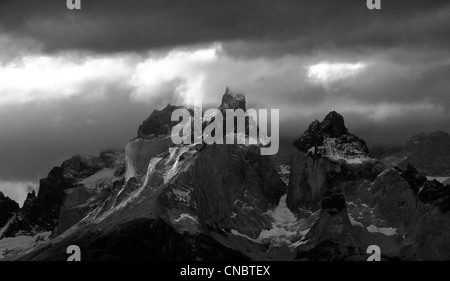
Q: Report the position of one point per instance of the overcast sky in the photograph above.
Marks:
(82, 81)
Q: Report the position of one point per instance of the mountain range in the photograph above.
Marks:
(325, 196)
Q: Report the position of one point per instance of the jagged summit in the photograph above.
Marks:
(227, 202)
(159, 122)
(330, 138)
(232, 100)
(334, 125)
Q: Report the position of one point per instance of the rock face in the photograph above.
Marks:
(330, 237)
(428, 152)
(392, 200)
(41, 213)
(308, 181)
(364, 202)
(140, 151)
(193, 201)
(68, 194)
(330, 149)
(413, 177)
(8, 209)
(92, 189)
(230, 179)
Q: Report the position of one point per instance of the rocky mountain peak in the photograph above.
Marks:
(159, 122)
(330, 138)
(232, 100)
(334, 125)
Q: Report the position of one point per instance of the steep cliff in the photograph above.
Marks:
(363, 201)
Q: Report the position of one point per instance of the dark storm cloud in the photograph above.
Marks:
(284, 26)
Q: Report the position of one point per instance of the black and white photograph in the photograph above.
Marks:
(239, 132)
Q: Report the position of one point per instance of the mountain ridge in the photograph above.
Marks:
(228, 202)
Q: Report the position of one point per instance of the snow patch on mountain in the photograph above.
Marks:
(349, 153)
(12, 247)
(354, 222)
(171, 166)
(185, 216)
(388, 231)
(105, 175)
(284, 171)
(286, 228)
(284, 224)
(237, 233)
